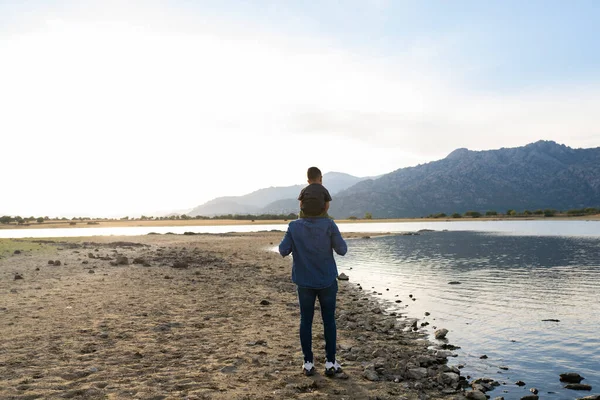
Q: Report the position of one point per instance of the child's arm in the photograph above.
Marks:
(326, 206)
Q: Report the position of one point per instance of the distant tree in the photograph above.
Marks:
(549, 212)
(539, 212)
(456, 215)
(527, 212)
(473, 214)
(512, 213)
(438, 215)
(183, 216)
(368, 215)
(6, 219)
(125, 218)
(491, 213)
(591, 210)
(19, 219)
(40, 220)
(352, 217)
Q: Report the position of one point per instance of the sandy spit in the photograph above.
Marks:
(187, 317)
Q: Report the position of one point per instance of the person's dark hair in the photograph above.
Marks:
(313, 173)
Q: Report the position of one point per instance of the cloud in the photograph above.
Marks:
(149, 102)
(471, 120)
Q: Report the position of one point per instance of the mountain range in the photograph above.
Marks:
(543, 174)
(272, 200)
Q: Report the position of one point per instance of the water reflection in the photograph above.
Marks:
(508, 285)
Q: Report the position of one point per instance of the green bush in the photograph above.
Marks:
(576, 211)
(473, 214)
(491, 213)
(456, 215)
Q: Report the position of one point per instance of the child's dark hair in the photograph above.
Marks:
(313, 173)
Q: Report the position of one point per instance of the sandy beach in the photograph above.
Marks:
(194, 317)
(232, 222)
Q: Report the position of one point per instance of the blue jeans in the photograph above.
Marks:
(306, 298)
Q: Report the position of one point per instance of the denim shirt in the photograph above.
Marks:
(312, 242)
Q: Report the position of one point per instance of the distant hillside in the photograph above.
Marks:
(540, 175)
(280, 199)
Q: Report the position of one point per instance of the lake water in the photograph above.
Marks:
(512, 274)
(520, 227)
(508, 285)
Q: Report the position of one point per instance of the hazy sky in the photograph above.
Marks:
(113, 108)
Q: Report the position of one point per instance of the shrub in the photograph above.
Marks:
(352, 217)
(40, 220)
(473, 214)
(368, 215)
(456, 215)
(491, 213)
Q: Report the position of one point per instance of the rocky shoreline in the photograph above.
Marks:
(197, 317)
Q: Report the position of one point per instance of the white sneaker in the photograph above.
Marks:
(332, 368)
(308, 368)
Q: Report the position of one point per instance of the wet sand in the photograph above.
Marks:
(190, 316)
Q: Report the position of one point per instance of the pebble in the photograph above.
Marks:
(578, 386)
(343, 277)
(571, 377)
(441, 334)
(370, 375)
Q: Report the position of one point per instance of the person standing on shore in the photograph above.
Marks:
(311, 241)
